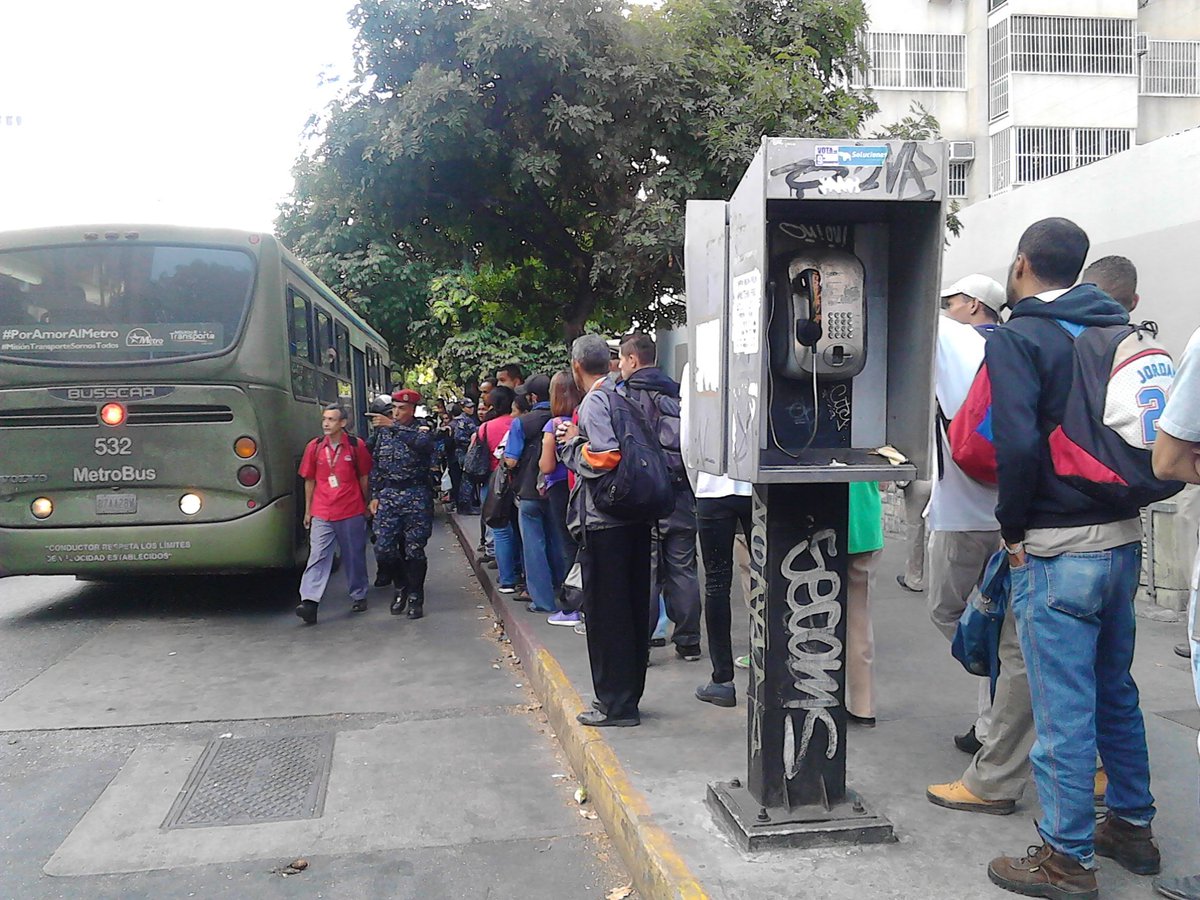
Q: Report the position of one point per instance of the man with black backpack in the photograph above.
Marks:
(673, 539)
(622, 486)
(1074, 562)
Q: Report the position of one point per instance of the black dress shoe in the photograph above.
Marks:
(658, 642)
(908, 587)
(359, 605)
(864, 721)
(968, 743)
(307, 610)
(597, 719)
(1184, 650)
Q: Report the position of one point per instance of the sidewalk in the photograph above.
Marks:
(659, 772)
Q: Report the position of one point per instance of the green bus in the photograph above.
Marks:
(157, 388)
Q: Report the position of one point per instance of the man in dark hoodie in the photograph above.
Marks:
(673, 548)
(1074, 563)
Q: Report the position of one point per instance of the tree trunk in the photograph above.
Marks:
(582, 305)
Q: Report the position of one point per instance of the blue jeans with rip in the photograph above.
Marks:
(544, 571)
(1074, 616)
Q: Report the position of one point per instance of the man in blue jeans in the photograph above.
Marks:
(1074, 563)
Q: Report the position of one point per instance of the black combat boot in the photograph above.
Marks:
(416, 587)
(383, 573)
(400, 601)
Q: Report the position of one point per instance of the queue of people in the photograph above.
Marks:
(573, 533)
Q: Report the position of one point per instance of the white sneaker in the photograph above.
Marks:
(581, 628)
(506, 590)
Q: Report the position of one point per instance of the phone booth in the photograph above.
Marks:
(812, 309)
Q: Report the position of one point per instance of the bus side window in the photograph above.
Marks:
(326, 353)
(299, 332)
(343, 349)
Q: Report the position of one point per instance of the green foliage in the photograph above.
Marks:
(469, 354)
(503, 175)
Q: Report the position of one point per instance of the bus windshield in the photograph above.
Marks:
(105, 303)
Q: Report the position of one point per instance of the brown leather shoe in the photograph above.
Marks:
(956, 796)
(1044, 873)
(1132, 846)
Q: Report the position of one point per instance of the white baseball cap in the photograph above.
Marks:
(980, 287)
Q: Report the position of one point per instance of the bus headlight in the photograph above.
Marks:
(42, 508)
(189, 504)
(248, 476)
(245, 447)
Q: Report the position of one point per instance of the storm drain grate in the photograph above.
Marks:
(245, 781)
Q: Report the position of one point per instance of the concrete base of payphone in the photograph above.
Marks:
(754, 827)
(795, 792)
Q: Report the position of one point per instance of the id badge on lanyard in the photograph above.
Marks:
(330, 458)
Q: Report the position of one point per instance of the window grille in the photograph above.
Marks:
(957, 187)
(1171, 69)
(932, 62)
(1067, 45)
(1043, 152)
(998, 70)
(1001, 147)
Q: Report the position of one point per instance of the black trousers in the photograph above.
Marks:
(717, 520)
(617, 590)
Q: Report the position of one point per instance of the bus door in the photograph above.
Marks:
(361, 400)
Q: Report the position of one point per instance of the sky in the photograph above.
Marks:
(161, 111)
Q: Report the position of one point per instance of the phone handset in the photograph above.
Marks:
(820, 327)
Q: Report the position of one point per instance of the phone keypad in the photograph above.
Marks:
(839, 325)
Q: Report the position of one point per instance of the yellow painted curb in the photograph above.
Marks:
(657, 869)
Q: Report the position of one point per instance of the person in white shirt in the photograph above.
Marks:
(963, 535)
(722, 506)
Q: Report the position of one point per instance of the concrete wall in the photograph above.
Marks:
(1143, 204)
(1120, 9)
(1161, 116)
(1170, 20)
(1073, 101)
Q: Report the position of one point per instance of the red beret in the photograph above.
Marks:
(407, 396)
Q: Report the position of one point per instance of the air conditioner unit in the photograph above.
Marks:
(1142, 44)
(962, 151)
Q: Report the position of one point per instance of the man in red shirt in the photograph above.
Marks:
(334, 469)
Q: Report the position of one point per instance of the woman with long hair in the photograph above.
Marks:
(564, 400)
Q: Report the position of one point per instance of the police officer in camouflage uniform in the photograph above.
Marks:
(402, 501)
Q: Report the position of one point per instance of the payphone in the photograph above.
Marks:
(812, 312)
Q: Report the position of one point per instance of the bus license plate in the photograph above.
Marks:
(115, 504)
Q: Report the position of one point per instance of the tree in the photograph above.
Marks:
(491, 135)
(532, 157)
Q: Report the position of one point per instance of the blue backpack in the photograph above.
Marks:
(640, 488)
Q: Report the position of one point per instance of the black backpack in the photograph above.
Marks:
(662, 414)
(639, 489)
(1121, 377)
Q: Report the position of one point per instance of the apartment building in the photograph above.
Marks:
(1027, 89)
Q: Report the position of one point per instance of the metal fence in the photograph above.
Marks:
(998, 70)
(1070, 45)
(931, 62)
(1170, 69)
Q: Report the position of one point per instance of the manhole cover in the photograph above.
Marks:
(244, 781)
